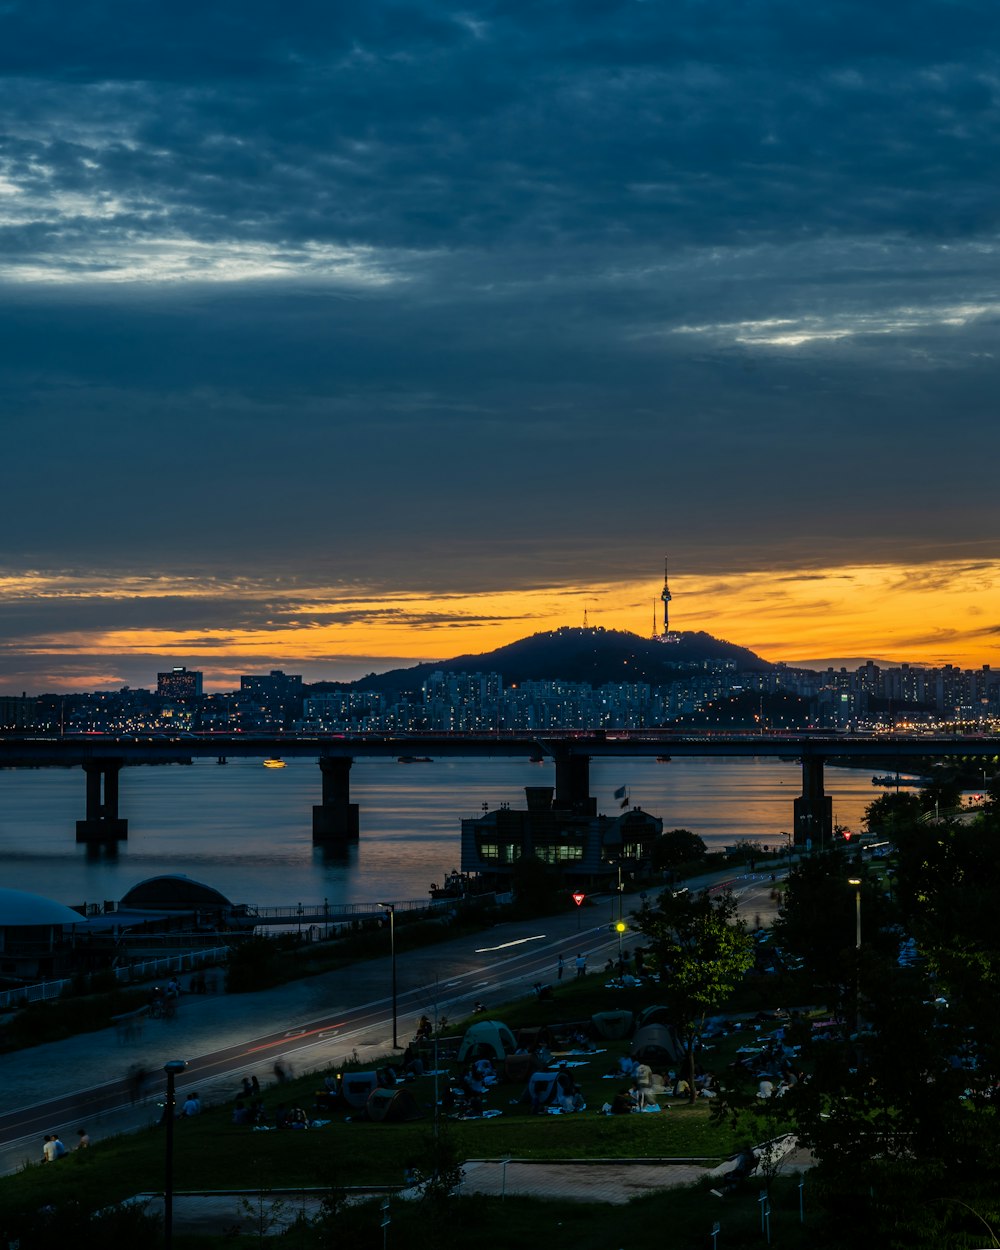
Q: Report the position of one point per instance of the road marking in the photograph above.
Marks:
(483, 950)
(291, 1037)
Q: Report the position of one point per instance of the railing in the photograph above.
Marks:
(348, 911)
(187, 961)
(139, 970)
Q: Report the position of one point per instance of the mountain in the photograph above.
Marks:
(597, 656)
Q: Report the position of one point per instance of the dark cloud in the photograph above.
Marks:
(496, 295)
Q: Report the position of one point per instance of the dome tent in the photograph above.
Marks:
(488, 1039)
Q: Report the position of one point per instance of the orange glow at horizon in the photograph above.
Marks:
(924, 614)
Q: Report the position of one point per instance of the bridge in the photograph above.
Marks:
(336, 819)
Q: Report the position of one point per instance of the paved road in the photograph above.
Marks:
(307, 1025)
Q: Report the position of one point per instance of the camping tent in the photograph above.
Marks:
(531, 1039)
(612, 1025)
(656, 1014)
(541, 1088)
(489, 1039)
(356, 1087)
(392, 1106)
(520, 1067)
(654, 1044)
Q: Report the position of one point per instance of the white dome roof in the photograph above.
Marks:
(20, 908)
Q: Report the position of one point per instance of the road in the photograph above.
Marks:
(306, 1026)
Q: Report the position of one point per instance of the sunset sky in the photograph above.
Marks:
(341, 337)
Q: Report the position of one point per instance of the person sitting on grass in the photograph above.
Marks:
(643, 1086)
(622, 1103)
(568, 1096)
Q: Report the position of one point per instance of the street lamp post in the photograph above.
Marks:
(172, 1069)
(856, 882)
(391, 909)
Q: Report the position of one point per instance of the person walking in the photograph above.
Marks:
(581, 966)
(559, 968)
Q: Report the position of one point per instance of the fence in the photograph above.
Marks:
(139, 970)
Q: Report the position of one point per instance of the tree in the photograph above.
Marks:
(942, 794)
(891, 812)
(903, 1139)
(817, 922)
(676, 847)
(901, 1114)
(703, 951)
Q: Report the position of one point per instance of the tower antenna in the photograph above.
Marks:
(666, 597)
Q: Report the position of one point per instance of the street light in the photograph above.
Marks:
(620, 929)
(856, 882)
(391, 909)
(172, 1069)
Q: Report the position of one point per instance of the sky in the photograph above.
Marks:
(340, 337)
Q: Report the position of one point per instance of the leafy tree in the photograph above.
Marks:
(817, 917)
(892, 812)
(676, 847)
(943, 794)
(902, 1114)
(946, 878)
(903, 1140)
(703, 951)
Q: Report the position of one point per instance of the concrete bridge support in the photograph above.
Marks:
(573, 784)
(102, 823)
(814, 809)
(336, 818)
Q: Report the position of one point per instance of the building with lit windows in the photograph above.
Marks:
(586, 849)
(179, 683)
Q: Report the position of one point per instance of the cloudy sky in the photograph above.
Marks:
(336, 337)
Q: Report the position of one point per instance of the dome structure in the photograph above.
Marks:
(21, 910)
(174, 892)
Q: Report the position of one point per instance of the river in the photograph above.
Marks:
(247, 830)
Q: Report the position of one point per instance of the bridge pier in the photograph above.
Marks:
(335, 819)
(573, 783)
(102, 823)
(813, 810)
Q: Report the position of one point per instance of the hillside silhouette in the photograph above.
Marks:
(597, 656)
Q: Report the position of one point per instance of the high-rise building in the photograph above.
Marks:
(179, 683)
(270, 702)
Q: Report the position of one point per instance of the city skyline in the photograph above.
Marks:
(336, 342)
(748, 603)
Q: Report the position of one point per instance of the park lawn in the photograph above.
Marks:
(211, 1153)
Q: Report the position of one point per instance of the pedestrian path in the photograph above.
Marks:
(614, 1182)
(220, 1213)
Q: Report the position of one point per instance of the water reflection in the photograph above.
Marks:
(248, 831)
